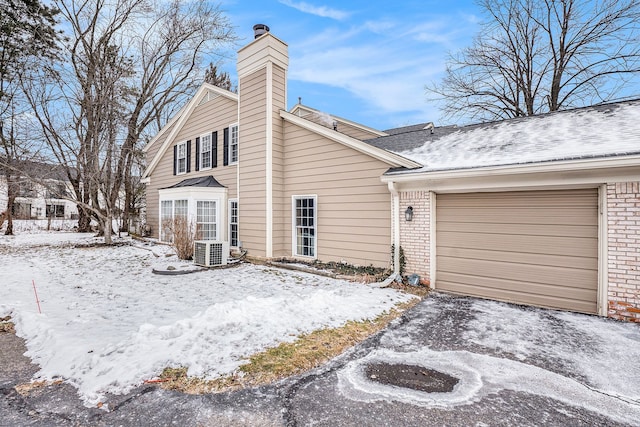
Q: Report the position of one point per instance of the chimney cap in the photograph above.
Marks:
(260, 29)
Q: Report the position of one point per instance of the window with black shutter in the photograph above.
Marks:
(198, 162)
(189, 156)
(214, 149)
(225, 147)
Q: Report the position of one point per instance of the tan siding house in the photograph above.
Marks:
(301, 188)
(518, 211)
(354, 217)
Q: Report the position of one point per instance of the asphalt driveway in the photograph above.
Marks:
(511, 365)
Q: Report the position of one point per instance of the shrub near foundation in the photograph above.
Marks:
(183, 233)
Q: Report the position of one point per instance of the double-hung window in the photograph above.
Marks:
(181, 158)
(304, 213)
(233, 144)
(206, 220)
(181, 208)
(169, 211)
(205, 151)
(233, 223)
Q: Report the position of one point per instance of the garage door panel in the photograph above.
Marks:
(571, 230)
(536, 247)
(559, 216)
(519, 273)
(584, 303)
(503, 288)
(517, 243)
(583, 197)
(520, 258)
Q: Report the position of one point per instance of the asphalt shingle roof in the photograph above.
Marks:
(409, 137)
(201, 181)
(605, 130)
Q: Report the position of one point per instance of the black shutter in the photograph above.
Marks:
(225, 147)
(197, 153)
(189, 156)
(214, 150)
(175, 158)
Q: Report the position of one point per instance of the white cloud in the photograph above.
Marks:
(322, 11)
(384, 63)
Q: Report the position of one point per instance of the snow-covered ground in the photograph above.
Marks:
(108, 323)
(493, 347)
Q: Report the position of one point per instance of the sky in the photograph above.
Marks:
(365, 61)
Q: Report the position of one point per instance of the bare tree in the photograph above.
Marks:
(533, 57)
(28, 40)
(130, 61)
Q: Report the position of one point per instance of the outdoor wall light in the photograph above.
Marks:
(408, 214)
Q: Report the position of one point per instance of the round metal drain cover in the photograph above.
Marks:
(411, 376)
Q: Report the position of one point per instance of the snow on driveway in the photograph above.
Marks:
(107, 323)
(576, 359)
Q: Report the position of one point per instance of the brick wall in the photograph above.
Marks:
(623, 216)
(414, 235)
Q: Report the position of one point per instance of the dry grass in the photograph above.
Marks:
(183, 235)
(6, 325)
(26, 389)
(308, 351)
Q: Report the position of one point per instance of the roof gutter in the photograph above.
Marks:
(544, 167)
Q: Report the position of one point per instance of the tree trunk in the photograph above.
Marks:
(9, 215)
(126, 212)
(84, 220)
(108, 229)
(12, 193)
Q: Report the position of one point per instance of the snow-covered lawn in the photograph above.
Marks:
(108, 323)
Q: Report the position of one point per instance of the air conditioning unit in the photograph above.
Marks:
(209, 253)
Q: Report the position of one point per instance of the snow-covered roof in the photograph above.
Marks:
(607, 130)
(409, 137)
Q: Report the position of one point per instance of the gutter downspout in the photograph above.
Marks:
(395, 225)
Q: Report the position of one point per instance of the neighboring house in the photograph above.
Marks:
(46, 197)
(44, 191)
(541, 210)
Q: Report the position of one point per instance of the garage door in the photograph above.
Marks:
(531, 247)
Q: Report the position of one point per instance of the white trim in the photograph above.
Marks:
(294, 246)
(388, 157)
(231, 126)
(395, 226)
(602, 262)
(193, 195)
(269, 163)
(296, 108)
(229, 215)
(500, 179)
(603, 252)
(238, 165)
(180, 120)
(590, 165)
(186, 157)
(199, 156)
(432, 240)
(218, 214)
